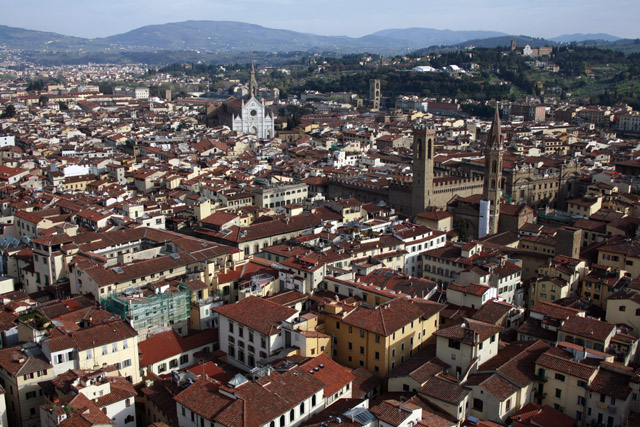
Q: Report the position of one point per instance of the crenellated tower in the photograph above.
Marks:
(424, 141)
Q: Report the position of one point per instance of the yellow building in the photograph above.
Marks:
(623, 307)
(381, 338)
(22, 368)
(109, 344)
(563, 383)
(601, 283)
(621, 254)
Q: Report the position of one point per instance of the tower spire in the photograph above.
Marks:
(494, 139)
(253, 84)
(492, 192)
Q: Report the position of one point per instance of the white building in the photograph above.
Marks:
(7, 140)
(254, 119)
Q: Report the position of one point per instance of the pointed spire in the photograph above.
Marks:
(253, 84)
(494, 139)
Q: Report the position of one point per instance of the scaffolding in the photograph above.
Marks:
(144, 309)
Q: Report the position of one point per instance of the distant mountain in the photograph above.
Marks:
(505, 41)
(580, 37)
(425, 37)
(19, 38)
(229, 36)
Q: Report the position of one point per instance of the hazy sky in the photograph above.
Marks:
(538, 18)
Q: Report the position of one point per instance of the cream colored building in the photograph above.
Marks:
(467, 345)
(23, 367)
(112, 344)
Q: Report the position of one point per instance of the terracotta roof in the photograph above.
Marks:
(332, 374)
(612, 383)
(392, 412)
(470, 331)
(587, 327)
(552, 360)
(167, 344)
(391, 316)
(444, 390)
(258, 314)
(493, 384)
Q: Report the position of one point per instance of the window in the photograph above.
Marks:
(184, 359)
(361, 350)
(582, 383)
(558, 392)
(162, 367)
(105, 350)
(31, 395)
(301, 408)
(622, 308)
(478, 404)
(377, 355)
(173, 363)
(114, 347)
(560, 377)
(508, 404)
(125, 344)
(580, 400)
(126, 363)
(454, 344)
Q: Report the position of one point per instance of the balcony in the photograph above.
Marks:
(203, 302)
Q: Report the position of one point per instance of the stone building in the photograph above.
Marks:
(249, 116)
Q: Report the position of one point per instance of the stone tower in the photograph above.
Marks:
(424, 141)
(493, 172)
(374, 94)
(253, 84)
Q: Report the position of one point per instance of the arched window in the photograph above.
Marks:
(429, 148)
(419, 153)
(494, 166)
(272, 424)
(292, 415)
(313, 400)
(302, 408)
(282, 421)
(493, 184)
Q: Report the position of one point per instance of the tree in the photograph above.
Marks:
(43, 101)
(63, 106)
(463, 231)
(9, 111)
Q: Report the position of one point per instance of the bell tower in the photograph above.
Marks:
(424, 140)
(253, 84)
(493, 153)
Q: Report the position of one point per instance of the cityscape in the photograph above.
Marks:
(223, 224)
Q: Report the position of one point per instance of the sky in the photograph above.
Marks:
(537, 18)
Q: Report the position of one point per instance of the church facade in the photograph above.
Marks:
(253, 119)
(250, 116)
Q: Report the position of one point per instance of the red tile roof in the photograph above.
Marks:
(167, 344)
(259, 314)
